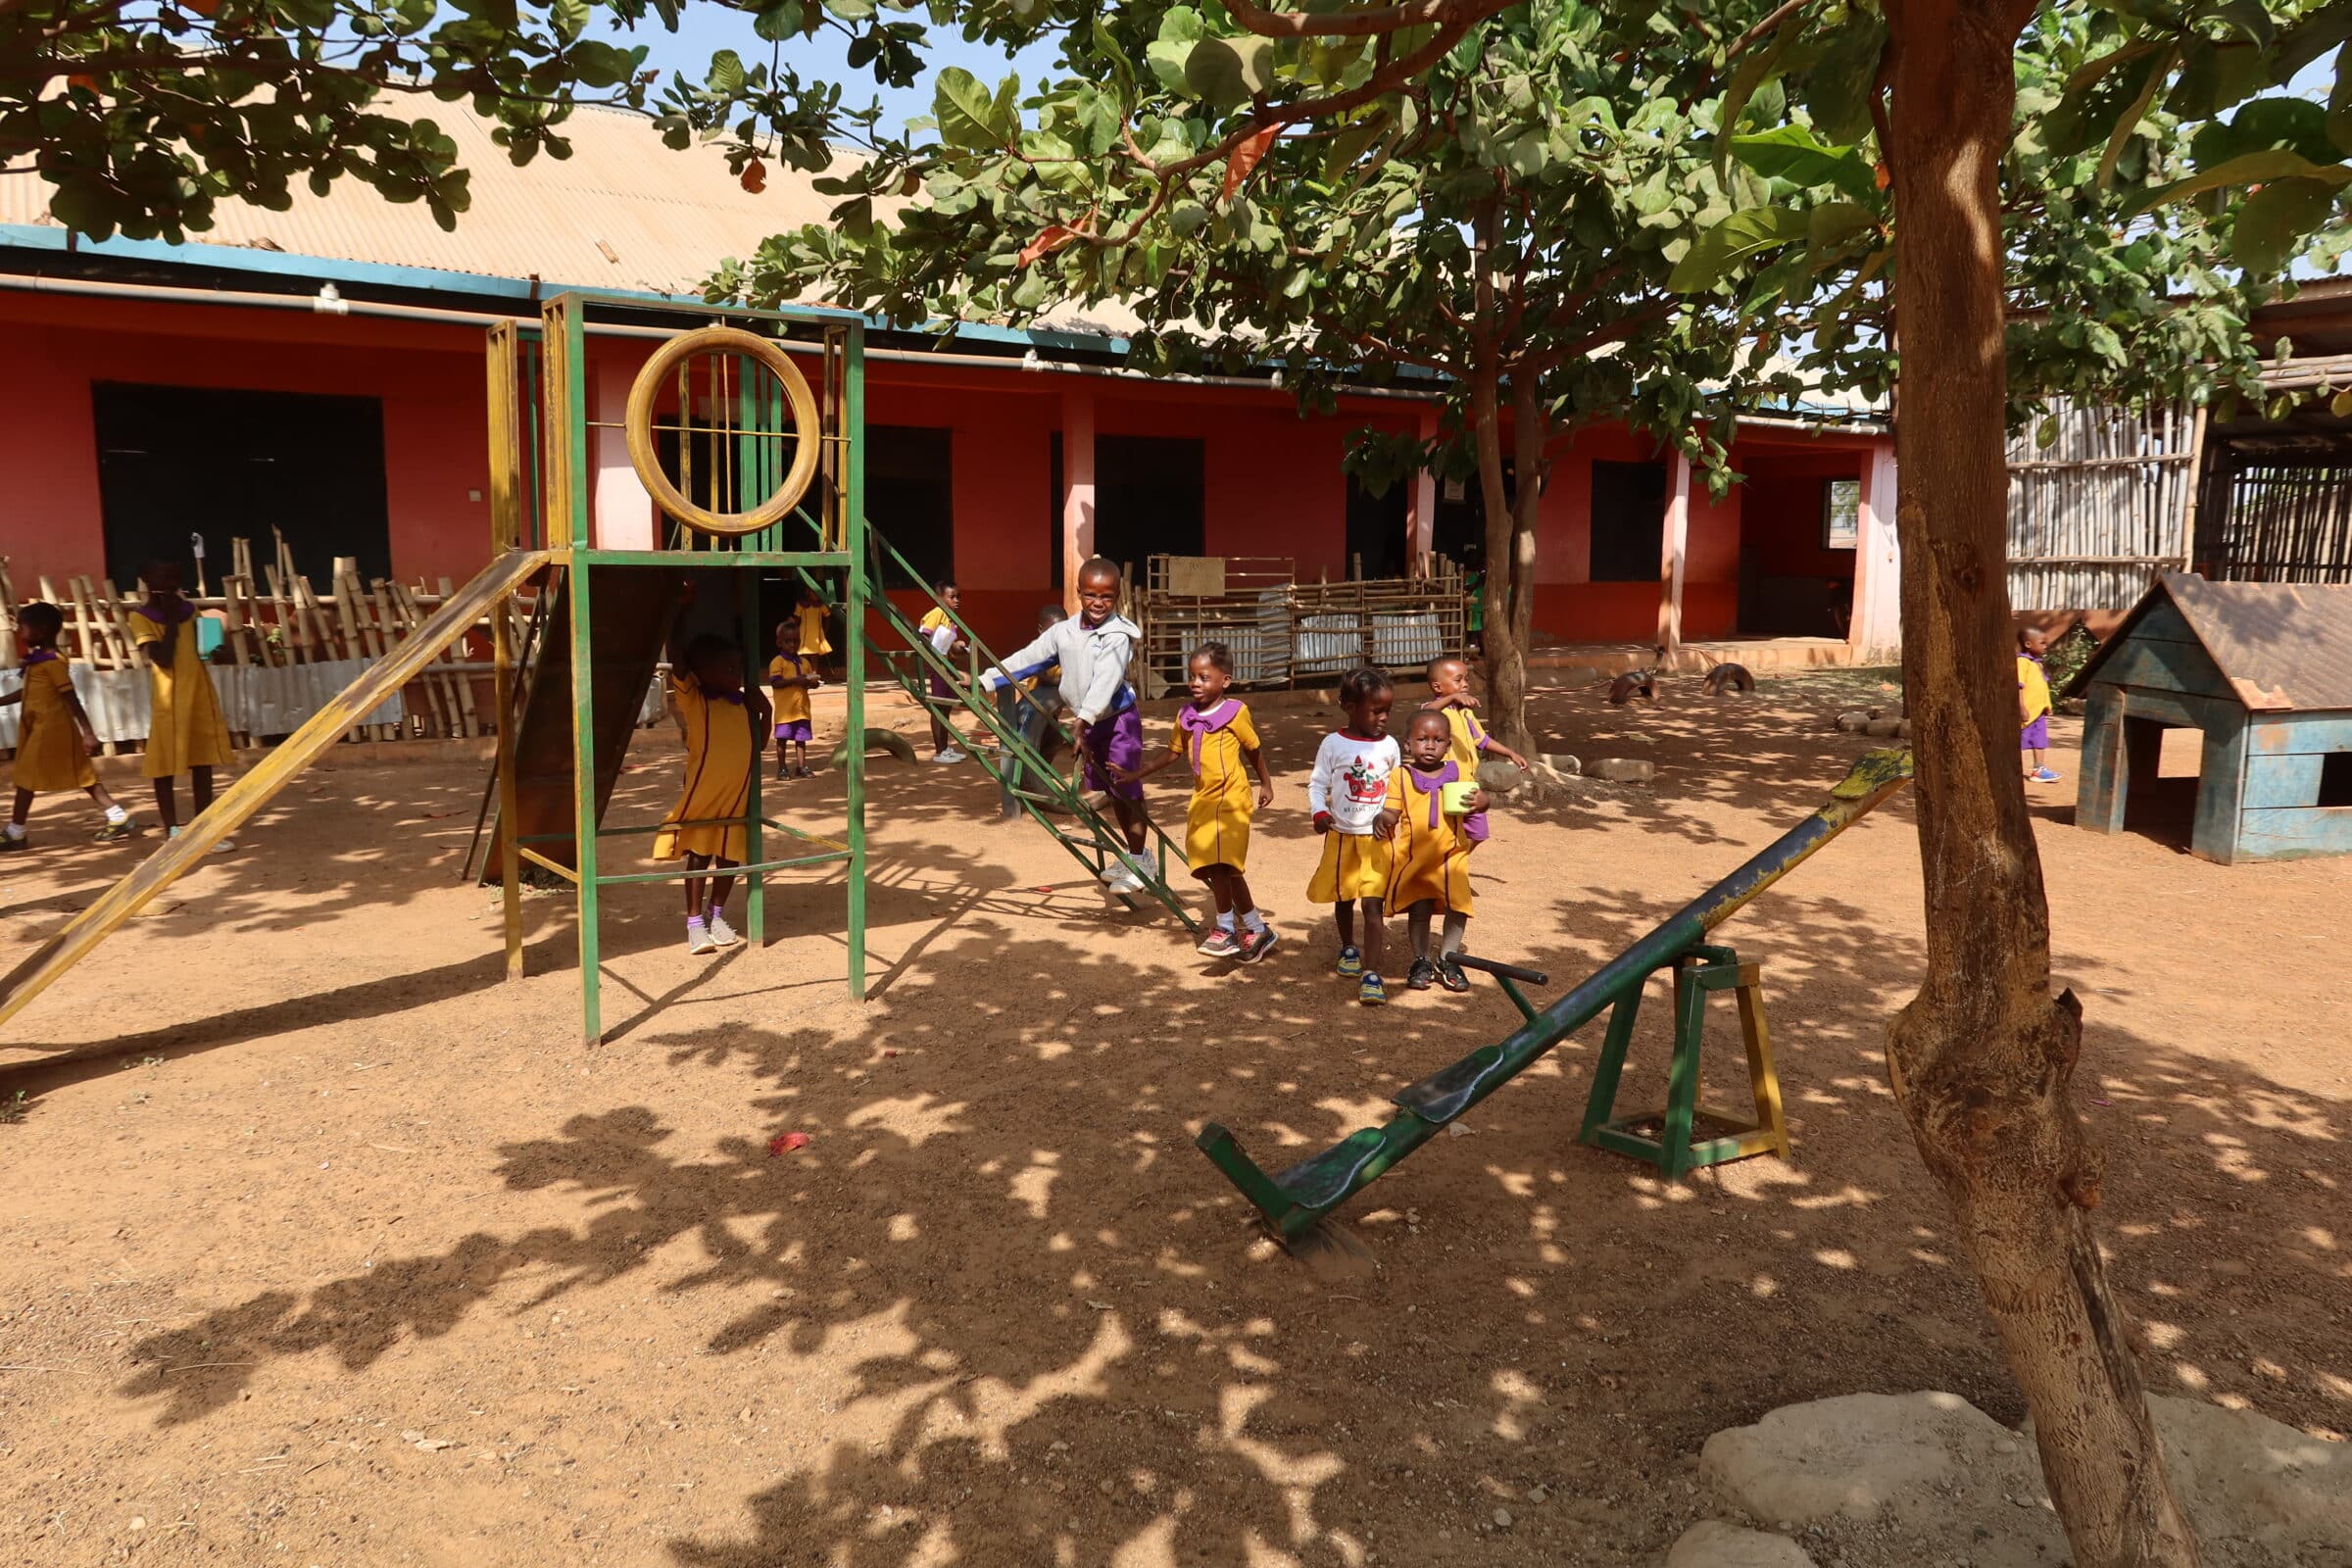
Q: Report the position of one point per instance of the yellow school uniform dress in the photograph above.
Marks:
(2033, 689)
(791, 703)
(49, 749)
(187, 729)
(812, 629)
(718, 774)
(1429, 857)
(1216, 743)
(1469, 740)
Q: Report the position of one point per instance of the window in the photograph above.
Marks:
(1628, 521)
(911, 499)
(1840, 514)
(2335, 779)
(174, 461)
(1150, 499)
(1376, 527)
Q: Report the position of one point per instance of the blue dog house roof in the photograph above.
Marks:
(2280, 646)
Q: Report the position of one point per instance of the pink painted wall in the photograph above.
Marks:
(429, 379)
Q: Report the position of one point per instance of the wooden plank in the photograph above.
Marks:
(2221, 787)
(2293, 833)
(2305, 732)
(2167, 667)
(253, 789)
(2165, 622)
(8, 617)
(2179, 707)
(2283, 780)
(2105, 781)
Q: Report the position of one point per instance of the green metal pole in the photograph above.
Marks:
(853, 432)
(1296, 1199)
(755, 897)
(565, 316)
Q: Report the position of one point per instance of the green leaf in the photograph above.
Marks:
(1831, 224)
(1179, 31)
(2275, 221)
(1790, 153)
(2045, 435)
(726, 73)
(965, 112)
(1751, 74)
(1837, 89)
(2249, 169)
(780, 21)
(1187, 218)
(567, 17)
(2126, 124)
(1226, 73)
(1735, 239)
(1122, 67)
(2296, 124)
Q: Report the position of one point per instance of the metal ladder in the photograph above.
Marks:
(1091, 839)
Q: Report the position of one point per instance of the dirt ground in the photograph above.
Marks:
(320, 1245)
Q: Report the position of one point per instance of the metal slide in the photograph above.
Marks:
(236, 803)
(1090, 838)
(1295, 1201)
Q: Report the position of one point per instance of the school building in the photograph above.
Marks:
(320, 370)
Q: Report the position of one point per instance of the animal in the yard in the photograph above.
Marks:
(1728, 678)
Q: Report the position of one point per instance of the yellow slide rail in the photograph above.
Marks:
(235, 804)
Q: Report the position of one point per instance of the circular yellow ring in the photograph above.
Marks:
(638, 426)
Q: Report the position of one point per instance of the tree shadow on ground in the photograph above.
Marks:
(1042, 1329)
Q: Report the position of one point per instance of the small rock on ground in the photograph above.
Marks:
(1622, 769)
(1713, 1543)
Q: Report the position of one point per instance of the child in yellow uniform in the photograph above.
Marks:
(2033, 704)
(725, 727)
(1345, 794)
(1214, 734)
(1450, 694)
(54, 737)
(810, 617)
(1429, 855)
(185, 733)
(791, 676)
(938, 627)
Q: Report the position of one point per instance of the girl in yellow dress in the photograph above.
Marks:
(1214, 734)
(1345, 794)
(185, 734)
(811, 612)
(1450, 694)
(1428, 856)
(54, 737)
(725, 728)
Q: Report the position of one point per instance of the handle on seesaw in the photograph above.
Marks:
(1504, 974)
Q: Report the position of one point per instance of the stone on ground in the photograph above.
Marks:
(1713, 1543)
(1622, 769)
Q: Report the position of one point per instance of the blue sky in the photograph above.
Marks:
(705, 30)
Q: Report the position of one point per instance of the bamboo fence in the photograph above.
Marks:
(2281, 521)
(2097, 513)
(1283, 632)
(276, 618)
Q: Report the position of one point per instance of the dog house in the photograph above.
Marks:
(2263, 670)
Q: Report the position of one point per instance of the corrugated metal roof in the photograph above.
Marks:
(2279, 645)
(667, 218)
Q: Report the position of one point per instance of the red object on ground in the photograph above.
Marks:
(786, 1143)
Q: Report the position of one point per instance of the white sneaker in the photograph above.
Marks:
(1122, 879)
(223, 847)
(950, 755)
(698, 939)
(721, 934)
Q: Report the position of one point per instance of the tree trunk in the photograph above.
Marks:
(1509, 590)
(1981, 1061)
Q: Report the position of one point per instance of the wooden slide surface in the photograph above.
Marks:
(249, 793)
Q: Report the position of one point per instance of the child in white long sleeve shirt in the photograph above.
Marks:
(1346, 793)
(1094, 652)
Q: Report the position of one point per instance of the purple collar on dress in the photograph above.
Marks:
(1430, 783)
(40, 655)
(1199, 723)
(180, 611)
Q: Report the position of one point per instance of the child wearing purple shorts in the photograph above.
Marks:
(791, 677)
(1094, 651)
(2033, 704)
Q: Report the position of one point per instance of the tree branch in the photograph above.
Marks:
(1381, 20)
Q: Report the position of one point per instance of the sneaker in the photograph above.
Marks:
(12, 843)
(1122, 879)
(1422, 975)
(950, 755)
(108, 834)
(2044, 775)
(1352, 963)
(722, 935)
(223, 847)
(1450, 976)
(1220, 944)
(1371, 993)
(1257, 944)
(698, 939)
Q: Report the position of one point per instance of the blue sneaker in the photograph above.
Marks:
(1352, 963)
(2044, 775)
(1371, 993)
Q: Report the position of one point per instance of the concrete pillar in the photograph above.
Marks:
(1421, 508)
(1077, 488)
(1874, 634)
(1674, 543)
(621, 513)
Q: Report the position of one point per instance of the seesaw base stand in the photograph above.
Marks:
(1698, 971)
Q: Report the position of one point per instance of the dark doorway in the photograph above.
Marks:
(2163, 767)
(1151, 498)
(174, 461)
(1628, 521)
(911, 499)
(1376, 524)
(1458, 530)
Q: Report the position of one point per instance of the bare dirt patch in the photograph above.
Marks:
(323, 1246)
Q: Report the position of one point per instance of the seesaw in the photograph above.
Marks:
(1297, 1200)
